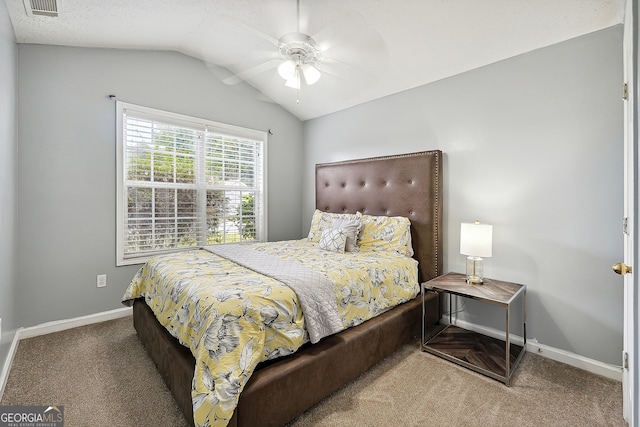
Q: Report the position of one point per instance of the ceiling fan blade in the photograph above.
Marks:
(346, 71)
(349, 47)
(222, 73)
(261, 34)
(351, 27)
(251, 72)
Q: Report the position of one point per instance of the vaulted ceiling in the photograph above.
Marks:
(370, 48)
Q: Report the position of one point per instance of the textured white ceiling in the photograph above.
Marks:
(373, 48)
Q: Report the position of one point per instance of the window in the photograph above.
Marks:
(185, 182)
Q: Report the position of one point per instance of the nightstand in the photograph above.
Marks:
(490, 356)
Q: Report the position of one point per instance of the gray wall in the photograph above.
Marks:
(67, 164)
(8, 82)
(534, 146)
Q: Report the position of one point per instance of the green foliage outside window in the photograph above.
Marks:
(247, 220)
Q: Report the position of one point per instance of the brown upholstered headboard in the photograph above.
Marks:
(402, 185)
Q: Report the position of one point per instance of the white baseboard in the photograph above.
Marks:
(62, 325)
(55, 326)
(4, 375)
(533, 346)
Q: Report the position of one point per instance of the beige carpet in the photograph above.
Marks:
(102, 376)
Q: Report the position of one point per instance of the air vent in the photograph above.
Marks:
(41, 7)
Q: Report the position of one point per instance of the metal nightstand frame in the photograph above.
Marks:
(442, 284)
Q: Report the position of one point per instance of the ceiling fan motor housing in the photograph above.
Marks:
(299, 47)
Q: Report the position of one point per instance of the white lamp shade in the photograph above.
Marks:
(311, 74)
(287, 69)
(293, 81)
(476, 239)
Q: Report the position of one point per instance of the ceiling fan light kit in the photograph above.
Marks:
(311, 73)
(293, 81)
(301, 56)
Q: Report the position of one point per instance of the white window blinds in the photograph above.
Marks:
(186, 182)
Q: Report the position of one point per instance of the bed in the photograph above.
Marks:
(407, 185)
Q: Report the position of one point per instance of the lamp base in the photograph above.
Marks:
(474, 270)
(475, 280)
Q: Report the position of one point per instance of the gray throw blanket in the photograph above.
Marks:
(314, 290)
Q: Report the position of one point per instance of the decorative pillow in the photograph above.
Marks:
(333, 239)
(322, 220)
(317, 225)
(386, 233)
(352, 229)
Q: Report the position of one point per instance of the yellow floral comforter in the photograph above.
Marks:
(232, 318)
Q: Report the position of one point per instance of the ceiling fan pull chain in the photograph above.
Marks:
(299, 82)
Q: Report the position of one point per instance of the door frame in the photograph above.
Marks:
(630, 382)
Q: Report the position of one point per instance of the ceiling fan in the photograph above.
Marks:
(302, 58)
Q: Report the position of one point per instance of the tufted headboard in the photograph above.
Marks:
(401, 185)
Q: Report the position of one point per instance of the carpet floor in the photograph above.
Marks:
(102, 376)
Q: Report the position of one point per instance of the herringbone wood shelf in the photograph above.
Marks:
(480, 350)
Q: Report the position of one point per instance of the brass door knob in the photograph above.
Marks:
(621, 268)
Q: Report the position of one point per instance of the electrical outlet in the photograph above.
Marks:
(102, 280)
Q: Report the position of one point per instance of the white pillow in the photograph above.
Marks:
(322, 220)
(333, 239)
(352, 227)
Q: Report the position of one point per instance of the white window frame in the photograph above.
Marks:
(193, 123)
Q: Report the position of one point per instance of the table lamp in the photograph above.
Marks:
(475, 242)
